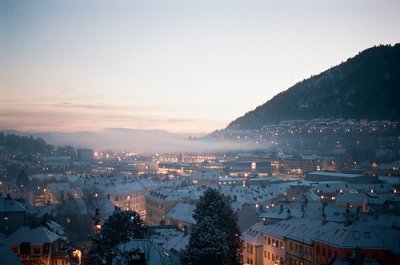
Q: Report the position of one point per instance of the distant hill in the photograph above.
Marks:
(364, 87)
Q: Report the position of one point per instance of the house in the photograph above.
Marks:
(299, 243)
(144, 251)
(274, 239)
(341, 242)
(181, 215)
(252, 252)
(159, 202)
(12, 215)
(7, 255)
(38, 245)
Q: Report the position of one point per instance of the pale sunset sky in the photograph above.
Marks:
(178, 65)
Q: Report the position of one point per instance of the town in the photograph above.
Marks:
(307, 202)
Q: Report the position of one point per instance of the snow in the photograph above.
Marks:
(7, 255)
(154, 254)
(357, 234)
(253, 235)
(182, 212)
(36, 236)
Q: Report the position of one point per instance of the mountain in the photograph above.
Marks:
(366, 86)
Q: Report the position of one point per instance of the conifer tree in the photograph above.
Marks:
(120, 227)
(215, 239)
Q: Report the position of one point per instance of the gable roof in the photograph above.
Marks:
(253, 235)
(7, 255)
(355, 235)
(36, 236)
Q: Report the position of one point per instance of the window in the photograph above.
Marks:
(36, 251)
(273, 257)
(324, 252)
(329, 253)
(317, 250)
(269, 241)
(269, 256)
(291, 245)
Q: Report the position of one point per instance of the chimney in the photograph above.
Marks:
(288, 214)
(280, 209)
(348, 218)
(323, 220)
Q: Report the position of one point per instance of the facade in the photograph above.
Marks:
(12, 215)
(334, 176)
(38, 246)
(160, 202)
(85, 155)
(133, 200)
(181, 215)
(300, 242)
(252, 252)
(345, 239)
(274, 236)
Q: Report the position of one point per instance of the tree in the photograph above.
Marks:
(216, 237)
(23, 180)
(120, 227)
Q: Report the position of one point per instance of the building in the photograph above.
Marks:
(299, 243)
(181, 215)
(318, 176)
(12, 215)
(252, 252)
(8, 256)
(38, 246)
(274, 247)
(343, 240)
(159, 202)
(85, 155)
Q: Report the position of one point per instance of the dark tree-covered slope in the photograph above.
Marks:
(366, 86)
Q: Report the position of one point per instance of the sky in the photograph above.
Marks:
(182, 66)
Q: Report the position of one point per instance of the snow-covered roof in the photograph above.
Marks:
(154, 253)
(284, 227)
(355, 235)
(109, 185)
(7, 205)
(334, 187)
(7, 255)
(334, 174)
(277, 213)
(170, 239)
(172, 195)
(391, 237)
(253, 235)
(206, 175)
(36, 236)
(332, 212)
(389, 179)
(183, 212)
(59, 186)
(311, 230)
(351, 198)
